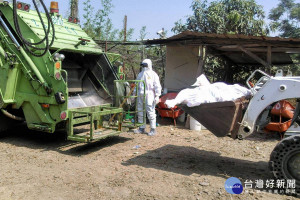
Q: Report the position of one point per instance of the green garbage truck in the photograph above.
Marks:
(53, 75)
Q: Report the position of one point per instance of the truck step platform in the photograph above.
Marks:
(99, 135)
(95, 121)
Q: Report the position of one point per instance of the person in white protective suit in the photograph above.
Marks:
(152, 93)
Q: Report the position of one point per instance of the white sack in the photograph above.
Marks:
(216, 92)
(201, 81)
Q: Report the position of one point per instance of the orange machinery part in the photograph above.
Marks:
(283, 108)
(285, 111)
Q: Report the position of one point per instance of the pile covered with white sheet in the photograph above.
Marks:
(208, 93)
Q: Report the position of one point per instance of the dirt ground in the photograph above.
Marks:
(177, 163)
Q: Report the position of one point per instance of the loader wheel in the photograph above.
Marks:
(285, 160)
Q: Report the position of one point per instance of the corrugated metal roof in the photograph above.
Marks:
(214, 38)
(231, 45)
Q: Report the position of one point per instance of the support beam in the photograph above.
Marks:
(202, 57)
(261, 49)
(125, 28)
(269, 58)
(269, 55)
(255, 57)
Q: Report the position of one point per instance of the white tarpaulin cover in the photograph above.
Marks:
(201, 81)
(208, 93)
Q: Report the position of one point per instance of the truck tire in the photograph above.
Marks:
(285, 160)
(7, 123)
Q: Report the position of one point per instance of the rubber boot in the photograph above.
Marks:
(152, 132)
(139, 131)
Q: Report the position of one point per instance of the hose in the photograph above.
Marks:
(28, 44)
(9, 115)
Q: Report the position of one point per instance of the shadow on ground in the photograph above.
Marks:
(188, 160)
(57, 141)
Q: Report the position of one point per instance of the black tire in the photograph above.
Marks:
(7, 123)
(285, 160)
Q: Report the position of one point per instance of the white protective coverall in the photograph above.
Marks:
(152, 90)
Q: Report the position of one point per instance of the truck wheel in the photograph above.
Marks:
(285, 160)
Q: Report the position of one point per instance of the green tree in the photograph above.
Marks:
(285, 18)
(88, 17)
(103, 25)
(225, 17)
(98, 24)
(143, 33)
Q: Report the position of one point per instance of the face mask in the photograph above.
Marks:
(144, 64)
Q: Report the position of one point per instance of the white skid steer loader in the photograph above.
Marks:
(243, 117)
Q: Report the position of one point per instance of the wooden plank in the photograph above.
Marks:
(269, 59)
(201, 60)
(269, 55)
(255, 57)
(234, 48)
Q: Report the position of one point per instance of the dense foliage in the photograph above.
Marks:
(225, 17)
(285, 18)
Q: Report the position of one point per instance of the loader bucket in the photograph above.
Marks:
(220, 118)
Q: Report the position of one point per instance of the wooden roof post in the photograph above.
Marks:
(269, 58)
(201, 61)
